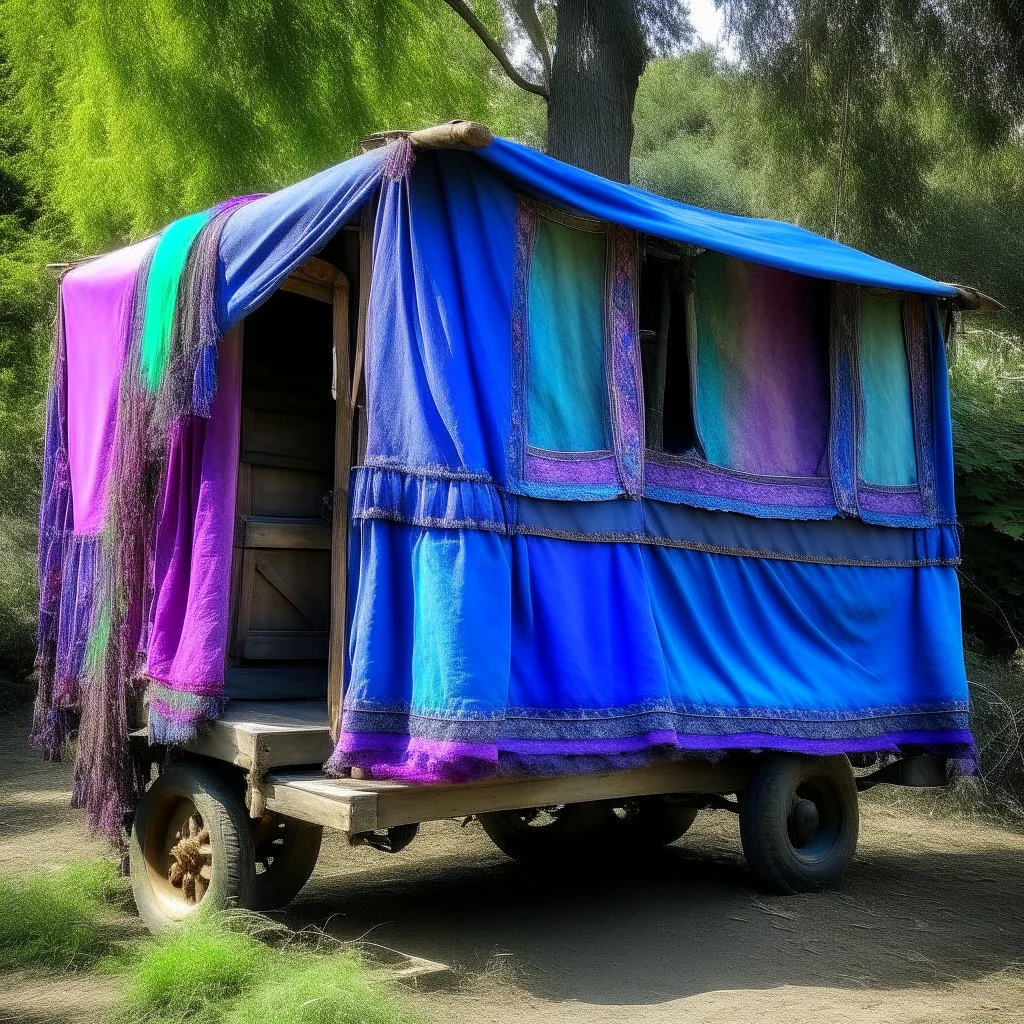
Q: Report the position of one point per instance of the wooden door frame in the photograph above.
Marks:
(319, 280)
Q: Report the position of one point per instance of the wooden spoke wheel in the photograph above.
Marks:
(190, 858)
(190, 848)
(285, 852)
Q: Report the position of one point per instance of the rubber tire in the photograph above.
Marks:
(764, 809)
(216, 798)
(291, 868)
(651, 822)
(579, 831)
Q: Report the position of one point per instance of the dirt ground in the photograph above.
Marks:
(928, 927)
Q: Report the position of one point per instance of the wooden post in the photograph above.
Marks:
(339, 527)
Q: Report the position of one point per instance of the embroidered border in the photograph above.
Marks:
(919, 359)
(627, 388)
(590, 474)
(429, 503)
(844, 333)
(618, 723)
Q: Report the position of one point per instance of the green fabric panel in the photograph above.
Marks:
(169, 259)
(566, 388)
(887, 453)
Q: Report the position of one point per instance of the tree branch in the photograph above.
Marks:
(466, 13)
(527, 13)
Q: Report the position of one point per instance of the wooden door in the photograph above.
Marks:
(283, 542)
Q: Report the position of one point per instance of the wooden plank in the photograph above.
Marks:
(273, 682)
(316, 617)
(260, 457)
(285, 644)
(246, 583)
(291, 534)
(314, 279)
(308, 289)
(259, 735)
(339, 526)
(399, 804)
(348, 811)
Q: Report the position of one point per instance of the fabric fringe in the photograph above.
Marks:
(107, 779)
(175, 717)
(51, 729)
(400, 158)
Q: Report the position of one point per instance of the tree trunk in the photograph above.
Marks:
(600, 54)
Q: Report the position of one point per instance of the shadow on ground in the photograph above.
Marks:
(916, 910)
(931, 909)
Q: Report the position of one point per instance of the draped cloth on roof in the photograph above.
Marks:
(142, 438)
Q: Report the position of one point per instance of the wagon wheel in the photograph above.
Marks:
(533, 835)
(285, 852)
(799, 821)
(190, 849)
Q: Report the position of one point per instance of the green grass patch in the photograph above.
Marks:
(58, 922)
(207, 973)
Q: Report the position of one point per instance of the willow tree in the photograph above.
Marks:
(584, 59)
(139, 119)
(847, 81)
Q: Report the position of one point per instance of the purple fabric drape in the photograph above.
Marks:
(98, 299)
(192, 560)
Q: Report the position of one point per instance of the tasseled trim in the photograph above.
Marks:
(176, 717)
(399, 160)
(191, 382)
(107, 781)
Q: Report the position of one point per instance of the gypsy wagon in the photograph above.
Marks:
(455, 481)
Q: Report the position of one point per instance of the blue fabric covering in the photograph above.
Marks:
(485, 624)
(762, 241)
(490, 638)
(265, 240)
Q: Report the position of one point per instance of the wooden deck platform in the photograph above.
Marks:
(282, 744)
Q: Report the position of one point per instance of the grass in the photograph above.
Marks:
(210, 973)
(58, 922)
(217, 970)
(997, 719)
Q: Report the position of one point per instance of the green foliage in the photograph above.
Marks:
(56, 921)
(209, 974)
(141, 119)
(987, 379)
(26, 304)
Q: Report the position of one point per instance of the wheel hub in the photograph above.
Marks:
(803, 820)
(191, 860)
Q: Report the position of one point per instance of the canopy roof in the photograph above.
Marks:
(266, 239)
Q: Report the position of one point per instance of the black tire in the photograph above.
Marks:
(650, 822)
(197, 811)
(285, 851)
(540, 835)
(799, 821)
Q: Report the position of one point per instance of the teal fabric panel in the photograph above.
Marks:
(887, 453)
(566, 379)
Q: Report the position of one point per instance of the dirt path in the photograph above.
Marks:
(929, 926)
